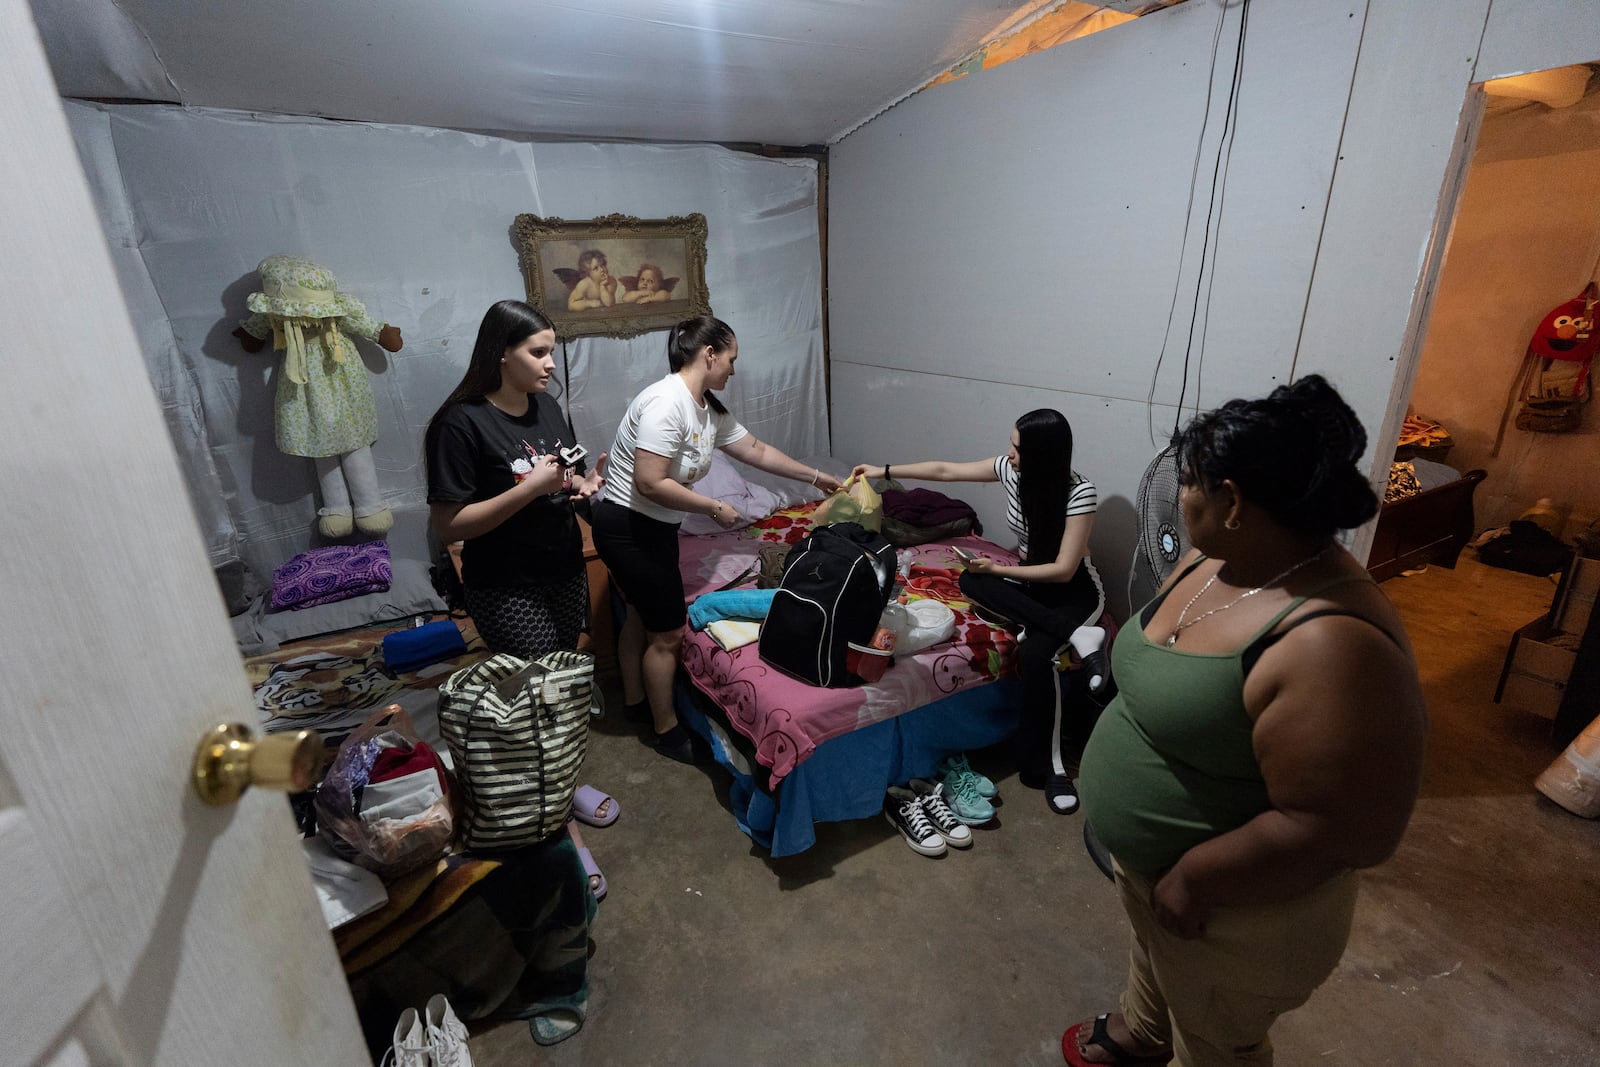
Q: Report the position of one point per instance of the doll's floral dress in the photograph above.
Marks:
(324, 402)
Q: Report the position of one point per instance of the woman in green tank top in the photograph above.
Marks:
(1266, 740)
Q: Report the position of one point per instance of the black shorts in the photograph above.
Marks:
(642, 555)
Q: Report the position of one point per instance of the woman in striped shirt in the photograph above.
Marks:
(1054, 595)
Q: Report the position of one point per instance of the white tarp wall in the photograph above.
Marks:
(1014, 239)
(416, 223)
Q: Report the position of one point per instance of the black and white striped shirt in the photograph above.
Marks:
(1083, 500)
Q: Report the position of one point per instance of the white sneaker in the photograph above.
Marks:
(410, 1048)
(446, 1036)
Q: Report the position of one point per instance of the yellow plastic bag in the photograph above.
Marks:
(854, 501)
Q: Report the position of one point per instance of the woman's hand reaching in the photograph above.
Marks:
(826, 482)
(589, 484)
(862, 470)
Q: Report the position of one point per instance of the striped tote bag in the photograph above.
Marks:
(517, 732)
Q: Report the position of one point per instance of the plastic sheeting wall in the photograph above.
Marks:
(1015, 240)
(416, 223)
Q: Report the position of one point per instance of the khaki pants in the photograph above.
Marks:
(1213, 999)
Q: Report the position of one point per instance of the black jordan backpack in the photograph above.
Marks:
(835, 585)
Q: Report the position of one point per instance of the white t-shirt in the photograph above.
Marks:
(665, 419)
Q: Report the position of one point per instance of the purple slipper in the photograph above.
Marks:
(592, 870)
(587, 800)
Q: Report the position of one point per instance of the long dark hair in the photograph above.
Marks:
(1044, 483)
(689, 337)
(504, 325)
(1292, 453)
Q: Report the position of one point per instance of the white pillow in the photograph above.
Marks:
(724, 482)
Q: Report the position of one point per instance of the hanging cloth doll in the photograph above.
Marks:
(323, 408)
(1553, 380)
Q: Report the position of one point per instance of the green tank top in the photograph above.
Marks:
(1170, 763)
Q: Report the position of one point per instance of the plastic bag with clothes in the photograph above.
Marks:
(385, 801)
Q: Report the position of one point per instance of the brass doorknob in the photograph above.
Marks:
(230, 760)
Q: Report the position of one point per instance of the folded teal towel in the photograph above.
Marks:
(730, 604)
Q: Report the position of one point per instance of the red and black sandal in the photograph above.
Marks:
(1121, 1057)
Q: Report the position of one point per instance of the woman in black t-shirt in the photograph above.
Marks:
(496, 481)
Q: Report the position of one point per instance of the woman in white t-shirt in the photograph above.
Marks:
(1054, 594)
(665, 445)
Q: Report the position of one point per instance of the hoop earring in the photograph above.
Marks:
(1230, 524)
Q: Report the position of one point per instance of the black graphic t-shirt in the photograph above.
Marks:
(479, 453)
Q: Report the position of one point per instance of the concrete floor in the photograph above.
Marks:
(1479, 943)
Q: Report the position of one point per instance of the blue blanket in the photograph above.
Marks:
(730, 604)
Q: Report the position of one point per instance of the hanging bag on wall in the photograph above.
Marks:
(518, 733)
(835, 584)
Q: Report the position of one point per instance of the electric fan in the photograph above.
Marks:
(1162, 538)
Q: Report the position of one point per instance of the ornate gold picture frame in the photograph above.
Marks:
(614, 276)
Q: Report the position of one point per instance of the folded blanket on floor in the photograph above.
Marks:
(730, 634)
(730, 604)
(331, 573)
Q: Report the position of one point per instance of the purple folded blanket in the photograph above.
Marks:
(335, 572)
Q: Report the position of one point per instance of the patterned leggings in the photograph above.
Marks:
(529, 621)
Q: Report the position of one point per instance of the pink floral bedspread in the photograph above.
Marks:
(787, 719)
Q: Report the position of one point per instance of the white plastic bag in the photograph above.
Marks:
(918, 625)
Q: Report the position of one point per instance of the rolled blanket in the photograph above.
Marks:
(408, 650)
(730, 604)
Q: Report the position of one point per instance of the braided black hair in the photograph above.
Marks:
(1292, 453)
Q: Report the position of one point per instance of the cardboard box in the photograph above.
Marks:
(1575, 599)
(1535, 674)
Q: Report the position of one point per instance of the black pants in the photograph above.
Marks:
(1056, 717)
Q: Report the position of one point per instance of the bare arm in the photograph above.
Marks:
(978, 470)
(650, 477)
(462, 522)
(1074, 547)
(765, 457)
(1340, 728)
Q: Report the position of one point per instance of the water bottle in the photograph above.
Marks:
(897, 621)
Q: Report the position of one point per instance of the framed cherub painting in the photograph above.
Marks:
(614, 276)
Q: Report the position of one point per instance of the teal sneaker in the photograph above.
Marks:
(961, 794)
(958, 765)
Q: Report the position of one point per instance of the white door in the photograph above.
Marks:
(138, 925)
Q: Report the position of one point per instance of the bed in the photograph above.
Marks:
(800, 754)
(1426, 516)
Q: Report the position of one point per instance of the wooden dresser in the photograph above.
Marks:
(600, 639)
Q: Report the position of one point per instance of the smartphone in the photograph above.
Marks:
(571, 457)
(963, 554)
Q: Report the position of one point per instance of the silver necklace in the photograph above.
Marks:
(1246, 595)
